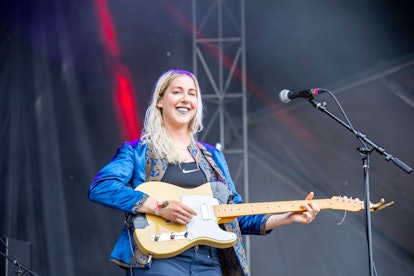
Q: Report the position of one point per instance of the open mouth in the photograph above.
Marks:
(183, 110)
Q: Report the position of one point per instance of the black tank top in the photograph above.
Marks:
(185, 175)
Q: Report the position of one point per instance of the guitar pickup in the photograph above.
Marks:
(206, 212)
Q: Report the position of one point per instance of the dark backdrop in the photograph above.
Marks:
(65, 64)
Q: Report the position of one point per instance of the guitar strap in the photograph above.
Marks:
(139, 221)
(222, 192)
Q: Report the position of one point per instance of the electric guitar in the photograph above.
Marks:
(162, 238)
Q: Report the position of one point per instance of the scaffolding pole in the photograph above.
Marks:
(219, 62)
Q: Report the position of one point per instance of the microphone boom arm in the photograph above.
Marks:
(321, 107)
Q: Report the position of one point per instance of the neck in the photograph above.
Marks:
(181, 137)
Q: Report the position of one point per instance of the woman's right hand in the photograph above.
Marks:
(174, 210)
(177, 212)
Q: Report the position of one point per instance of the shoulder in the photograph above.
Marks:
(136, 144)
(132, 147)
(207, 147)
(211, 152)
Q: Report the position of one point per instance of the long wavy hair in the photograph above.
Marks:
(154, 131)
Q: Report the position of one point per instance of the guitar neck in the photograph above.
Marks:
(227, 211)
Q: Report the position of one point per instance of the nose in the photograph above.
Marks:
(185, 97)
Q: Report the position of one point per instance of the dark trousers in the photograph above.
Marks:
(198, 260)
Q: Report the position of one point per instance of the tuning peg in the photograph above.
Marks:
(380, 205)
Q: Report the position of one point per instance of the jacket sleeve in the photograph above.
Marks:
(112, 185)
(249, 225)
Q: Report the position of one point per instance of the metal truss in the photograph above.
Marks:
(220, 66)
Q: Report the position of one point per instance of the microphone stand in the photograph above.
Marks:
(365, 152)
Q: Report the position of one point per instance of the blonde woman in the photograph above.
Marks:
(168, 152)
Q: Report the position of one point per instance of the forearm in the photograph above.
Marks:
(149, 206)
(278, 220)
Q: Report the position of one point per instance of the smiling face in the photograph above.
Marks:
(178, 103)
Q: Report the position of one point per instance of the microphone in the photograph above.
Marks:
(285, 95)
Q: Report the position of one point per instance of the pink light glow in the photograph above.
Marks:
(124, 100)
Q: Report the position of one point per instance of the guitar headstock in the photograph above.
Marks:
(355, 205)
(345, 203)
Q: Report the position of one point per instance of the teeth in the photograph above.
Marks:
(183, 110)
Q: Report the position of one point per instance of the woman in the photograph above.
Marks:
(169, 152)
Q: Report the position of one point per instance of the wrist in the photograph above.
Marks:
(160, 205)
(288, 218)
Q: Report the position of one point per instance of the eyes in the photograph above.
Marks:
(179, 92)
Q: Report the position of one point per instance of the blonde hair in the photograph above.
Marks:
(154, 131)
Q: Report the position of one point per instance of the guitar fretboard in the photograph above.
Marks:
(237, 210)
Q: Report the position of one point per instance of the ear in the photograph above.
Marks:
(159, 103)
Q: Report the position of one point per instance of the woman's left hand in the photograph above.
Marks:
(310, 210)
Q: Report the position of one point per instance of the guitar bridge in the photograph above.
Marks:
(159, 237)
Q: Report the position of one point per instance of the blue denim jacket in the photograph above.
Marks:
(135, 163)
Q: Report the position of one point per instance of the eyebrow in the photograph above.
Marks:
(180, 87)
